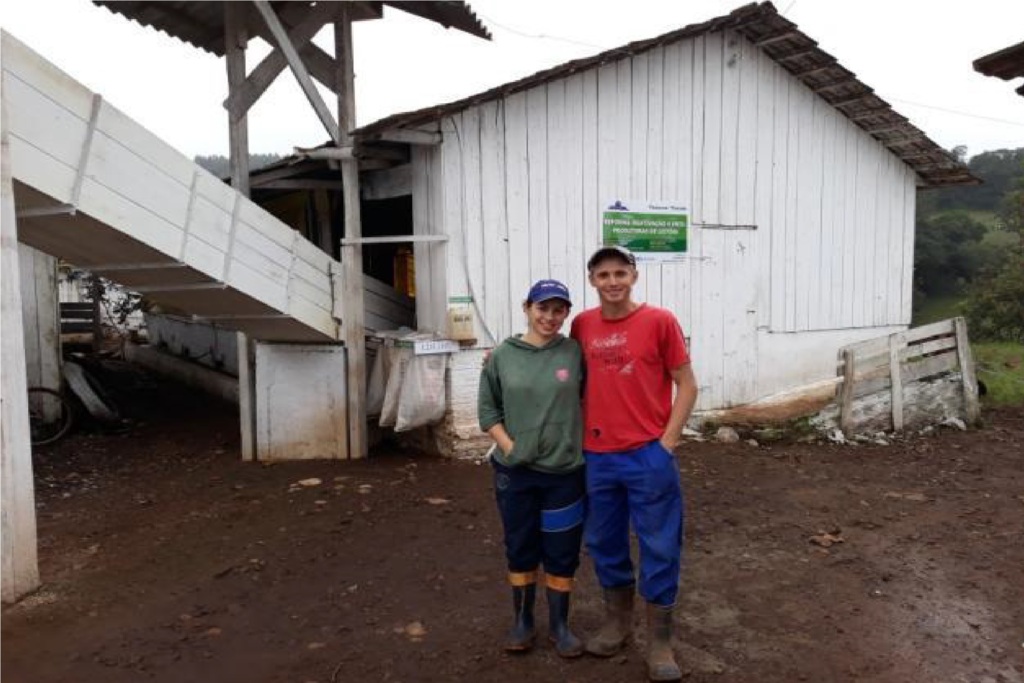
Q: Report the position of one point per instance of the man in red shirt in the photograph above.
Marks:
(635, 355)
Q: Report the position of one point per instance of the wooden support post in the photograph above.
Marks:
(235, 39)
(966, 358)
(96, 291)
(324, 221)
(246, 396)
(896, 380)
(20, 567)
(351, 254)
(846, 398)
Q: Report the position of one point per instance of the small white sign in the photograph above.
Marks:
(423, 347)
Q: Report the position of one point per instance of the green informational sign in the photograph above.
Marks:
(653, 231)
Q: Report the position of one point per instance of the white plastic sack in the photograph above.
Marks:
(398, 361)
(422, 397)
(377, 383)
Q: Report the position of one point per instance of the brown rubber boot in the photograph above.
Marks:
(661, 661)
(618, 624)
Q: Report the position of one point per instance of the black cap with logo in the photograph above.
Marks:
(612, 251)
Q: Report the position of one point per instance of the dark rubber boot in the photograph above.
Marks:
(523, 633)
(566, 643)
(661, 661)
(618, 624)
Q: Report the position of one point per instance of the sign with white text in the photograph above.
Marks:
(656, 232)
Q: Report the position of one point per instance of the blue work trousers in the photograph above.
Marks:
(642, 486)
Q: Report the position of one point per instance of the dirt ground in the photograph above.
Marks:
(166, 558)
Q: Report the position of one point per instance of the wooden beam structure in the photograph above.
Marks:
(320, 64)
(295, 63)
(245, 94)
(351, 254)
(410, 136)
(235, 39)
(246, 396)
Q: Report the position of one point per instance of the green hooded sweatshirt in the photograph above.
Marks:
(534, 391)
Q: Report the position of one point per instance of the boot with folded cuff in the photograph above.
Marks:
(559, 594)
(524, 594)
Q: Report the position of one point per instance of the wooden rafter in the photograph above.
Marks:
(776, 38)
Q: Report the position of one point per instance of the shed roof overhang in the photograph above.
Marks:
(201, 23)
(784, 43)
(1006, 64)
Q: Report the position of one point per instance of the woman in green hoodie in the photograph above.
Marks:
(529, 402)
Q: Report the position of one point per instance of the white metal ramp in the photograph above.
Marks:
(97, 189)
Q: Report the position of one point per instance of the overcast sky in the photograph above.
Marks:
(916, 54)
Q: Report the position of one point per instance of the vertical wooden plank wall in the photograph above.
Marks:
(711, 122)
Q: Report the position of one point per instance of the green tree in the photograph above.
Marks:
(220, 166)
(943, 261)
(995, 304)
(998, 169)
(1011, 211)
(995, 301)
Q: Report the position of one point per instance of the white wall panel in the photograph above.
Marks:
(493, 232)
(301, 406)
(517, 202)
(537, 180)
(571, 204)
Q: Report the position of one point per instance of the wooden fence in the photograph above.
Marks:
(900, 359)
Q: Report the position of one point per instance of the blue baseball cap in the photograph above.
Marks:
(543, 290)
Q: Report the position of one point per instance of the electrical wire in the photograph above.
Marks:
(541, 36)
(465, 246)
(960, 113)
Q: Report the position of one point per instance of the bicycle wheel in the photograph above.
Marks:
(50, 415)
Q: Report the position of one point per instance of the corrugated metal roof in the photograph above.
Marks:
(201, 23)
(783, 42)
(1006, 64)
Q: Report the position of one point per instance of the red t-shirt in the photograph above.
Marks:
(628, 395)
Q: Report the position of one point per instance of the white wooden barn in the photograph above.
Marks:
(801, 184)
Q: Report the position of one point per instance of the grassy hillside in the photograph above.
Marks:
(936, 308)
(1000, 365)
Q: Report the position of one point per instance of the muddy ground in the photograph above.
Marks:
(166, 558)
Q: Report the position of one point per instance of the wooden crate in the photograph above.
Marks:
(893, 362)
